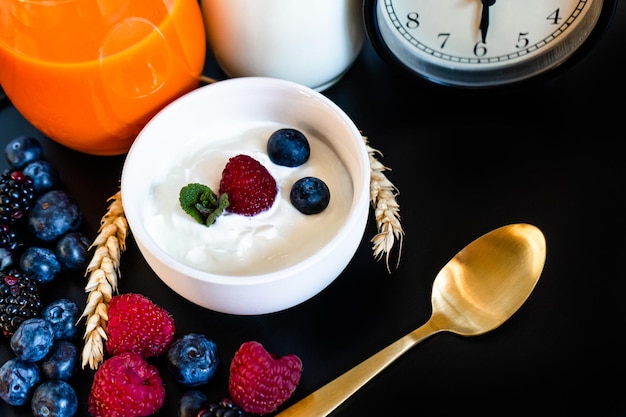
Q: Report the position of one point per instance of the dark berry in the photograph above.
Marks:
(54, 398)
(191, 402)
(61, 362)
(225, 408)
(17, 380)
(53, 214)
(22, 150)
(17, 194)
(72, 251)
(19, 300)
(44, 174)
(288, 147)
(41, 264)
(63, 314)
(33, 339)
(310, 195)
(193, 359)
(10, 244)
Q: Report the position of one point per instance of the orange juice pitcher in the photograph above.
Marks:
(90, 74)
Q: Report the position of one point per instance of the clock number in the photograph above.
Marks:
(554, 17)
(522, 40)
(480, 49)
(445, 37)
(412, 20)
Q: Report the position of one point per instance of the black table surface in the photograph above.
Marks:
(547, 153)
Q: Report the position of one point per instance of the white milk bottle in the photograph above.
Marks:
(311, 42)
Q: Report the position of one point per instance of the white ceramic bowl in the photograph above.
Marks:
(204, 120)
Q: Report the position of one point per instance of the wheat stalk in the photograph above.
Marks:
(386, 209)
(103, 271)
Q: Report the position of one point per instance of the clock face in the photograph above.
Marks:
(478, 43)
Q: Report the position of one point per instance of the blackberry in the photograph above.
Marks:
(19, 300)
(17, 193)
(225, 408)
(10, 245)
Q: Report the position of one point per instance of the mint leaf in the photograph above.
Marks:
(201, 203)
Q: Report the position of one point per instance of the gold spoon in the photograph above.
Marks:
(475, 292)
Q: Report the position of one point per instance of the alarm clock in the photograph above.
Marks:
(483, 43)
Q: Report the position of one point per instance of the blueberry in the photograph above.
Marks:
(17, 380)
(33, 339)
(61, 362)
(191, 402)
(44, 175)
(22, 150)
(288, 147)
(63, 314)
(72, 251)
(41, 264)
(54, 399)
(192, 359)
(54, 213)
(310, 195)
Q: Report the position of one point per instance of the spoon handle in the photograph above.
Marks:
(330, 396)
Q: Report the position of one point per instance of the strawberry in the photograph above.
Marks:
(259, 382)
(250, 187)
(126, 385)
(138, 325)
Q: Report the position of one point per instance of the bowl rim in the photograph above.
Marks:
(356, 219)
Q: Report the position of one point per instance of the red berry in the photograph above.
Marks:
(126, 385)
(138, 325)
(250, 187)
(260, 382)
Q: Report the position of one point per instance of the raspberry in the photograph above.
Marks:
(126, 385)
(138, 325)
(260, 382)
(250, 187)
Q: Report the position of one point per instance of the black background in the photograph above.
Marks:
(465, 162)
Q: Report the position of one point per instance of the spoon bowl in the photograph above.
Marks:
(480, 288)
(488, 280)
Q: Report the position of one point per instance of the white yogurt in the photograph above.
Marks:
(237, 244)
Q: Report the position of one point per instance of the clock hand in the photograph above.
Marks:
(484, 18)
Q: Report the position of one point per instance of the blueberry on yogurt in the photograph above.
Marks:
(310, 195)
(288, 147)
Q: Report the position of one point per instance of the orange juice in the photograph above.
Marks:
(90, 74)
